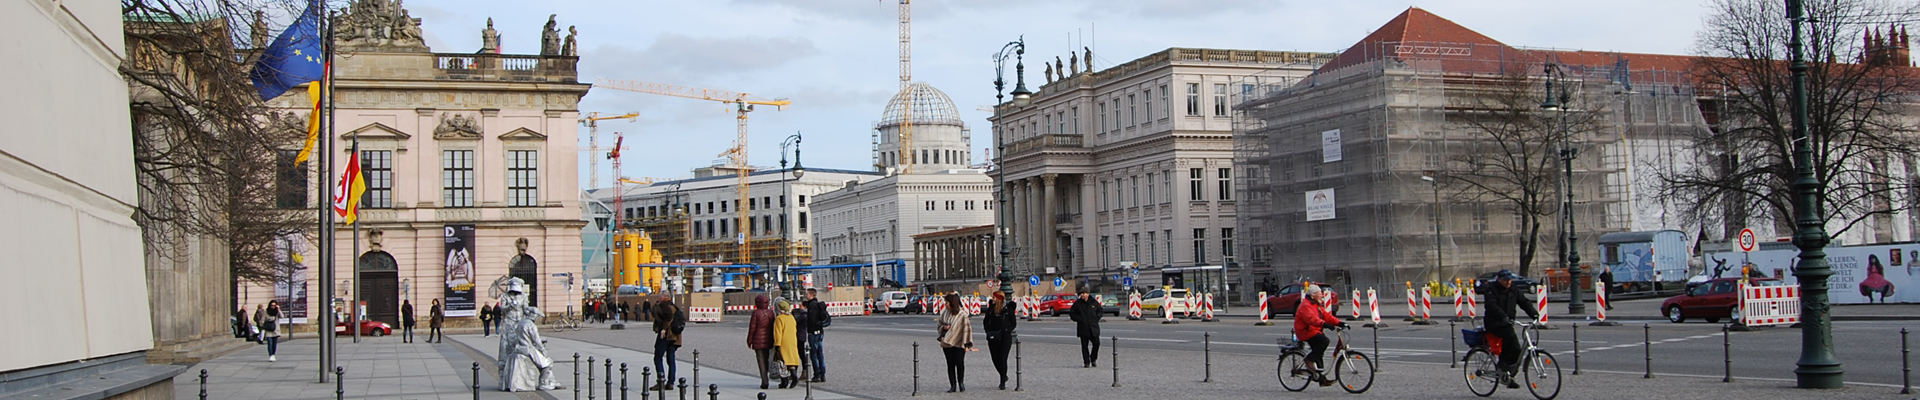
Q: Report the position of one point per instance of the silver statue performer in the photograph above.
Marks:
(523, 364)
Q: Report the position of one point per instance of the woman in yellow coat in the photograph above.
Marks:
(785, 339)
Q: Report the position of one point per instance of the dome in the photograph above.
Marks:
(929, 106)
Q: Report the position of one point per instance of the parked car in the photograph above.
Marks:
(721, 289)
(1710, 300)
(1153, 300)
(1110, 304)
(913, 304)
(1288, 300)
(896, 302)
(1057, 303)
(368, 327)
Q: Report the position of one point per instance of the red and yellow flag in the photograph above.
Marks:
(346, 194)
(313, 118)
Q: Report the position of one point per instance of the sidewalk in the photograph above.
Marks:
(376, 368)
(732, 385)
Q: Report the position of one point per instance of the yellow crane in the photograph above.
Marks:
(742, 104)
(592, 121)
(642, 181)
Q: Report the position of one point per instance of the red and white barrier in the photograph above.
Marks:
(1457, 312)
(1770, 305)
(1413, 305)
(1356, 304)
(1540, 292)
(1600, 298)
(1473, 306)
(1373, 305)
(1426, 303)
(1133, 306)
(703, 314)
(1207, 312)
(1263, 309)
(1190, 302)
(1166, 309)
(739, 308)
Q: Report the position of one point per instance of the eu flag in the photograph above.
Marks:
(294, 58)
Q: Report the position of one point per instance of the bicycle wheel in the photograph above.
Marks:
(1482, 371)
(1543, 375)
(1355, 372)
(1293, 372)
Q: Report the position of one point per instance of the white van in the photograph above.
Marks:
(896, 302)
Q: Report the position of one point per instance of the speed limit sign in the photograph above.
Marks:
(1747, 240)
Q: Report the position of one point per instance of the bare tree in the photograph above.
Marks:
(1511, 157)
(206, 151)
(1857, 93)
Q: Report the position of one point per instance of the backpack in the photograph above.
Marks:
(679, 321)
(821, 317)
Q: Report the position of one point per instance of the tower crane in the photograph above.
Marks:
(906, 78)
(592, 121)
(742, 104)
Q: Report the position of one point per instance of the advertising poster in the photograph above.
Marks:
(1330, 146)
(290, 287)
(1320, 205)
(460, 272)
(1861, 274)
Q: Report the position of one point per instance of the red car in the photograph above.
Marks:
(1710, 300)
(1057, 303)
(1288, 300)
(367, 328)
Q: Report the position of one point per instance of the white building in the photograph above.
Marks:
(698, 218)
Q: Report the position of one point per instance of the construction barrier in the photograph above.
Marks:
(1770, 305)
(1263, 310)
(1166, 308)
(1457, 311)
(1413, 306)
(1133, 307)
(1540, 292)
(842, 308)
(1373, 305)
(1207, 313)
(739, 308)
(1190, 301)
(1473, 307)
(1356, 304)
(703, 314)
(1600, 298)
(1426, 303)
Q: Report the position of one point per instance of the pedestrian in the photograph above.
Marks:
(803, 326)
(817, 312)
(646, 309)
(486, 320)
(668, 324)
(1606, 282)
(956, 339)
(1308, 321)
(242, 327)
(1502, 298)
(406, 321)
(270, 328)
(1086, 317)
(786, 337)
(497, 316)
(259, 319)
(999, 322)
(435, 316)
(760, 336)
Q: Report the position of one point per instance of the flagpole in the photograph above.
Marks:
(354, 257)
(325, 330)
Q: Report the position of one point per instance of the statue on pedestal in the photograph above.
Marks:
(567, 48)
(490, 39)
(524, 364)
(1073, 63)
(550, 37)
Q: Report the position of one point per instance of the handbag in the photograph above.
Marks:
(776, 368)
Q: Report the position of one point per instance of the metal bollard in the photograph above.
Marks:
(607, 380)
(339, 386)
(1907, 385)
(1726, 351)
(476, 381)
(1376, 347)
(1207, 353)
(623, 381)
(1576, 349)
(576, 376)
(713, 392)
(1116, 361)
(661, 385)
(589, 377)
(203, 383)
(1647, 339)
(696, 368)
(683, 388)
(646, 375)
(916, 371)
(1016, 363)
(761, 396)
(1454, 350)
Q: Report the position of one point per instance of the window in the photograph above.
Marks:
(1076, 120)
(803, 222)
(1149, 187)
(1118, 198)
(783, 201)
(523, 178)
(930, 205)
(1132, 107)
(1103, 197)
(1167, 240)
(1136, 248)
(1226, 242)
(1196, 191)
(1219, 99)
(290, 181)
(803, 200)
(1116, 114)
(1226, 184)
(456, 178)
(1193, 99)
(753, 224)
(1153, 252)
(1101, 110)
(1147, 96)
(766, 223)
(969, 205)
(377, 166)
(1199, 246)
(1133, 188)
(1166, 186)
(1166, 106)
(1049, 122)
(1103, 252)
(949, 205)
(723, 205)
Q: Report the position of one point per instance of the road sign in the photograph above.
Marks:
(1059, 282)
(1747, 240)
(1126, 281)
(1033, 280)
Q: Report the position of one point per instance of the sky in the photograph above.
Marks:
(837, 60)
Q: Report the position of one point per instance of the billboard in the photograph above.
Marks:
(460, 278)
(1861, 274)
(290, 283)
(1330, 146)
(1320, 204)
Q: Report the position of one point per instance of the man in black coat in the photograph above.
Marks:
(1502, 298)
(1086, 317)
(816, 325)
(406, 321)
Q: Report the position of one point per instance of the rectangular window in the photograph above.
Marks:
(803, 200)
(456, 178)
(1103, 197)
(949, 205)
(1193, 99)
(1199, 246)
(1226, 242)
(1103, 252)
(723, 205)
(803, 222)
(930, 205)
(1196, 190)
(1133, 189)
(969, 205)
(377, 166)
(1048, 123)
(1226, 184)
(1166, 106)
(1153, 252)
(1147, 97)
(1166, 238)
(1132, 107)
(1101, 110)
(1166, 186)
(1136, 248)
(290, 181)
(1149, 186)
(1061, 118)
(1116, 114)
(523, 178)
(1219, 99)
(1076, 120)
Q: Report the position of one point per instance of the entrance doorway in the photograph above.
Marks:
(380, 287)
(524, 267)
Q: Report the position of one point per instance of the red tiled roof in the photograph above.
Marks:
(1419, 34)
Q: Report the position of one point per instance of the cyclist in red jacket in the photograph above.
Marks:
(1308, 321)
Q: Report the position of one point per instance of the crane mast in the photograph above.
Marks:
(906, 77)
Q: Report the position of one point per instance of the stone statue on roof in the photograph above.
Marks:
(1049, 72)
(567, 48)
(550, 37)
(1073, 63)
(490, 39)
(1088, 54)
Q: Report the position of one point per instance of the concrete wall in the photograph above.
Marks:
(67, 188)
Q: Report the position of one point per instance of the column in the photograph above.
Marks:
(1048, 242)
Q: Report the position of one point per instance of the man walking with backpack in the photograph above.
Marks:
(816, 324)
(668, 323)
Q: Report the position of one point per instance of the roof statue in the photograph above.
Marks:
(379, 25)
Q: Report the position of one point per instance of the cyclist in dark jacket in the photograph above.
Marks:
(1502, 298)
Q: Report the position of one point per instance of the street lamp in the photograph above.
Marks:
(786, 247)
(1571, 258)
(1021, 97)
(1439, 256)
(1817, 367)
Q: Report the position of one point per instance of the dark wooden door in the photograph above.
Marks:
(381, 291)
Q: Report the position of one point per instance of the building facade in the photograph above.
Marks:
(962, 260)
(1133, 163)
(471, 172)
(876, 220)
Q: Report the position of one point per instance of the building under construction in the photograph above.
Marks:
(1380, 167)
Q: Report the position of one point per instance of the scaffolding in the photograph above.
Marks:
(1395, 113)
(669, 233)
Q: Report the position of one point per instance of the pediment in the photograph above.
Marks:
(376, 131)
(522, 134)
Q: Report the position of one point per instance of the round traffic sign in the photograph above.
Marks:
(1747, 240)
(1059, 282)
(1033, 280)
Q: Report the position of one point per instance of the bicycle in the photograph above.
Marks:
(564, 321)
(1537, 367)
(1352, 369)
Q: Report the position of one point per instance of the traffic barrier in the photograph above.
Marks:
(703, 314)
(1457, 311)
(646, 389)
(1473, 307)
(1906, 369)
(1263, 311)
(1600, 298)
(1769, 305)
(916, 369)
(1540, 302)
(1207, 352)
(842, 308)
(1166, 309)
(1356, 306)
(1189, 301)
(476, 382)
(589, 378)
(1207, 312)
(739, 308)
(1646, 340)
(623, 381)
(1133, 307)
(1412, 304)
(1426, 307)
(339, 385)
(1115, 360)
(1373, 307)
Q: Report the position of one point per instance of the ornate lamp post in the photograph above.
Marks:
(1571, 258)
(786, 246)
(1021, 97)
(1818, 368)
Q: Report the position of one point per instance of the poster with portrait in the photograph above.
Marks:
(459, 271)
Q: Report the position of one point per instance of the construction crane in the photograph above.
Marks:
(906, 78)
(642, 181)
(742, 104)
(592, 121)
